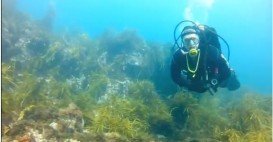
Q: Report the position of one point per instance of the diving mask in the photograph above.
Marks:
(191, 43)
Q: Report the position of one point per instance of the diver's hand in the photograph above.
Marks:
(197, 87)
(233, 83)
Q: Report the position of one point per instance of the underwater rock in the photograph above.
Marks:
(71, 110)
(21, 36)
(113, 137)
(25, 138)
(54, 125)
(118, 86)
(36, 135)
(119, 43)
(134, 64)
(189, 139)
(126, 54)
(70, 119)
(24, 131)
(78, 83)
(38, 113)
(71, 140)
(161, 137)
(33, 135)
(18, 127)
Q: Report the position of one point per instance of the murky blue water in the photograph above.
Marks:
(246, 25)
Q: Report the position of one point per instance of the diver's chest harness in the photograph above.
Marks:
(208, 74)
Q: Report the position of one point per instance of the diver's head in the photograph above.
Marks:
(190, 40)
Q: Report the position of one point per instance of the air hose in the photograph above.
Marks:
(184, 21)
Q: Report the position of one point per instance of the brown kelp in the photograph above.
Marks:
(252, 117)
(119, 115)
(247, 118)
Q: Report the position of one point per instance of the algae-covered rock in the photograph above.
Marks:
(71, 119)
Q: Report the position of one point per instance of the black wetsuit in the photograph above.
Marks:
(212, 65)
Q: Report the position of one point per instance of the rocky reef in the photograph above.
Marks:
(112, 88)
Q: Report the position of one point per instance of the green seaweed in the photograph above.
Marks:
(7, 76)
(252, 116)
(119, 115)
(158, 113)
(97, 84)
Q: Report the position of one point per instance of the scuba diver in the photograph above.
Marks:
(198, 64)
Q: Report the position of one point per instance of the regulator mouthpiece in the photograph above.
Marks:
(193, 52)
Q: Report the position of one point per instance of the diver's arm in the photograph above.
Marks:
(176, 67)
(224, 69)
(227, 75)
(181, 79)
(177, 77)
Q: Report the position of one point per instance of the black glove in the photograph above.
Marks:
(197, 87)
(233, 82)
